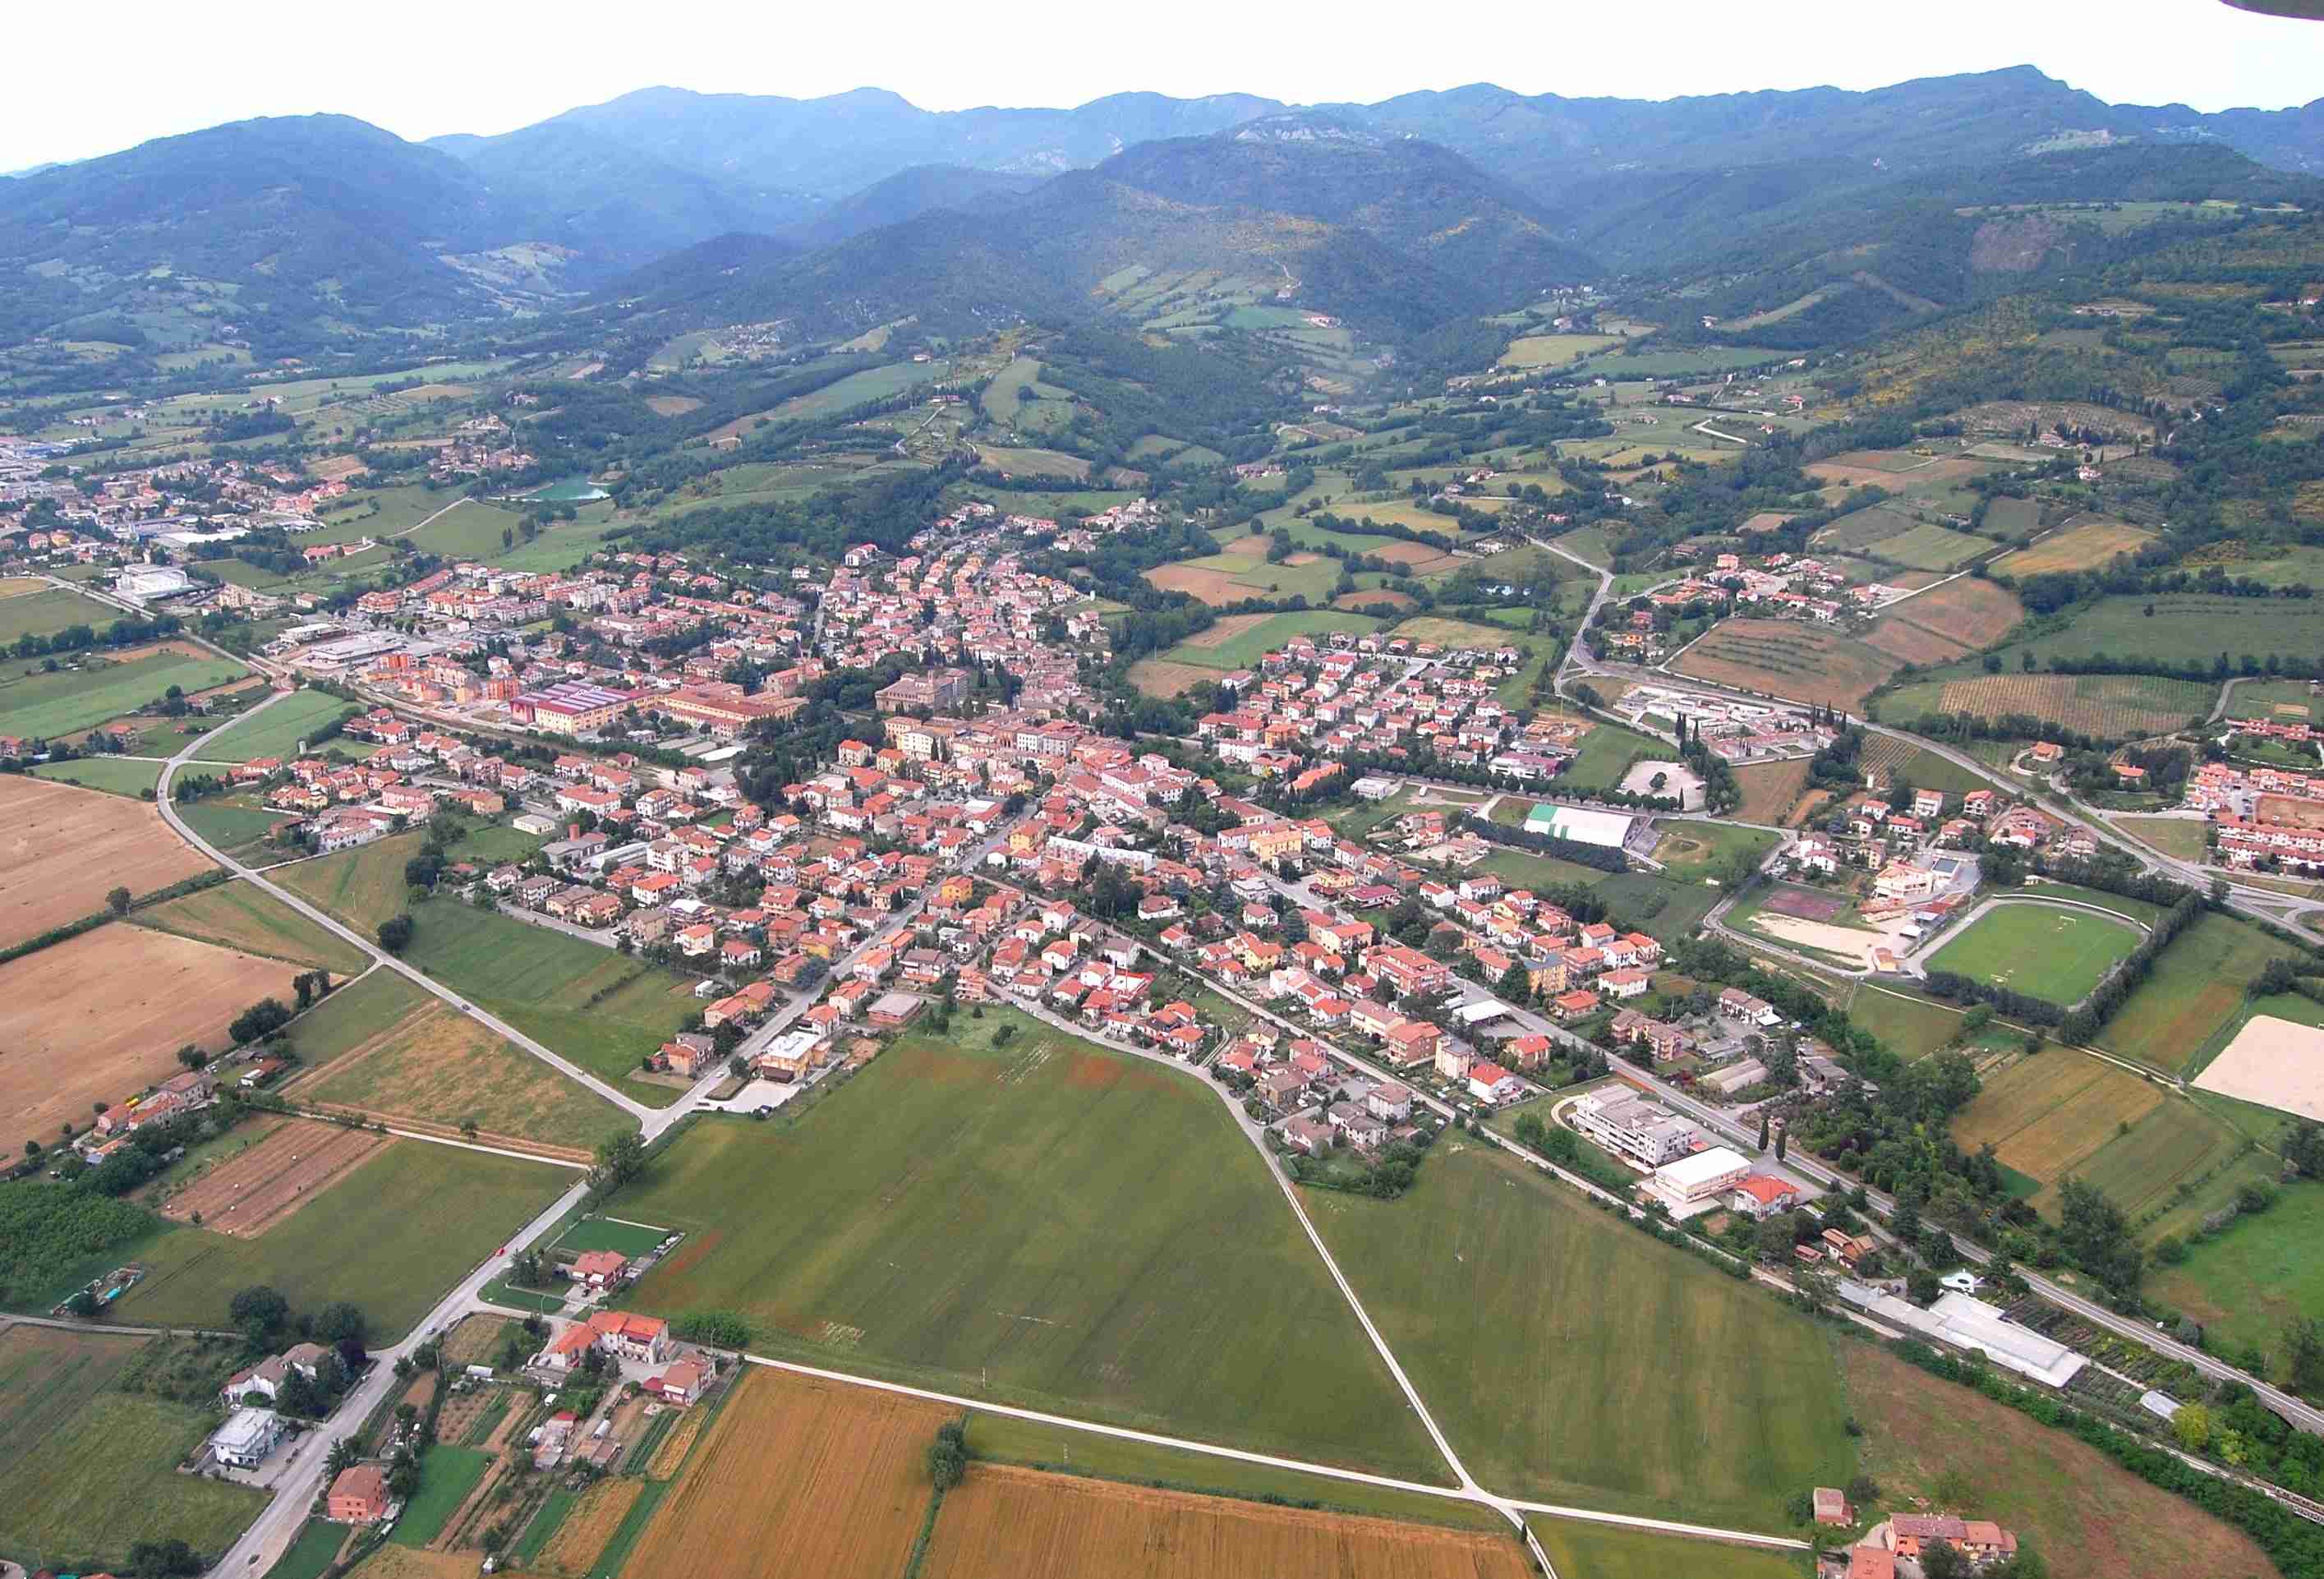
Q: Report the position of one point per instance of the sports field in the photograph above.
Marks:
(2043, 951)
(1243, 645)
(46, 705)
(1044, 1223)
(237, 915)
(798, 1475)
(1006, 1523)
(277, 731)
(391, 1236)
(1929, 1439)
(2195, 989)
(1639, 1380)
(87, 1471)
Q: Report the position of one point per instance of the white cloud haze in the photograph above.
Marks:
(87, 83)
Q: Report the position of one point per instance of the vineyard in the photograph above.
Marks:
(2107, 707)
(1783, 658)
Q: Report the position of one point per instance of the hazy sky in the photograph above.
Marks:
(91, 82)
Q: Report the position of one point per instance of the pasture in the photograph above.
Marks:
(63, 849)
(1911, 1028)
(277, 731)
(47, 705)
(1788, 659)
(1907, 763)
(1651, 1382)
(2109, 707)
(235, 825)
(1930, 1439)
(1243, 645)
(2055, 954)
(2196, 988)
(86, 1473)
(354, 1014)
(2081, 544)
(100, 1017)
(1160, 678)
(2183, 627)
(238, 916)
(798, 1475)
(447, 1476)
(440, 1067)
(134, 779)
(2244, 1283)
(1555, 350)
(1964, 615)
(1007, 1523)
(391, 1236)
(1037, 1223)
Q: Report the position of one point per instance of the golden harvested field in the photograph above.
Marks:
(1964, 615)
(1224, 629)
(256, 1189)
(440, 1067)
(673, 405)
(64, 848)
(2047, 1115)
(1159, 677)
(2077, 545)
(671, 1452)
(392, 1561)
(1003, 1522)
(1769, 788)
(1212, 586)
(1788, 659)
(799, 1476)
(575, 1546)
(2112, 707)
(1380, 599)
(101, 1017)
(473, 1337)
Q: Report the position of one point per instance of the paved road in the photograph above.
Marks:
(278, 1523)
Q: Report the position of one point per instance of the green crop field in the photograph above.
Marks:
(47, 704)
(1245, 647)
(604, 1010)
(2195, 989)
(86, 1473)
(446, 1476)
(2185, 627)
(1929, 547)
(1605, 754)
(277, 731)
(48, 611)
(391, 1236)
(2054, 955)
(1007, 1439)
(361, 887)
(239, 916)
(1663, 908)
(310, 1556)
(1638, 1378)
(1045, 1223)
(1603, 1551)
(113, 775)
(354, 1014)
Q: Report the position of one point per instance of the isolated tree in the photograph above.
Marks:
(1763, 1132)
(259, 1312)
(394, 933)
(118, 901)
(948, 1456)
(193, 1057)
(621, 1157)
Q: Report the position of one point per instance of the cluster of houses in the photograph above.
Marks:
(2262, 813)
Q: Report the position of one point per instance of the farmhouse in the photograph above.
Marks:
(359, 1495)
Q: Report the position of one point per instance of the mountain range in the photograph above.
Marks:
(861, 205)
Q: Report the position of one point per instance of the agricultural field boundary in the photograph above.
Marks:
(1467, 1494)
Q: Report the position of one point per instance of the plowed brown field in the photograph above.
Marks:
(249, 1194)
(1769, 788)
(1007, 1523)
(1788, 659)
(1964, 615)
(62, 848)
(799, 1476)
